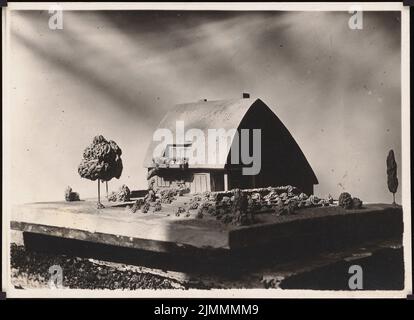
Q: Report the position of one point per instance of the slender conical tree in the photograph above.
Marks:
(392, 179)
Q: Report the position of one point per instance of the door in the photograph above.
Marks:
(217, 181)
(201, 183)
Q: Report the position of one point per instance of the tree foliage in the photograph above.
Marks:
(101, 160)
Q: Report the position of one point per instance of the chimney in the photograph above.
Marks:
(246, 95)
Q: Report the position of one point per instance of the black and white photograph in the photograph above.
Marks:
(206, 150)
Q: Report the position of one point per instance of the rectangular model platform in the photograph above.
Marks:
(166, 232)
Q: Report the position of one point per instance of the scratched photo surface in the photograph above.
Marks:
(326, 213)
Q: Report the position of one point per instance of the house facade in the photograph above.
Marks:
(282, 162)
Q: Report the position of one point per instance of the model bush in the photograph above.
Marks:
(70, 195)
(122, 195)
(356, 203)
(345, 200)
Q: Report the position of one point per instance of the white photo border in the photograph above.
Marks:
(214, 293)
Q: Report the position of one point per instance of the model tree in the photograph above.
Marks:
(101, 161)
(392, 179)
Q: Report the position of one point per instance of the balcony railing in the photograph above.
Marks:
(173, 162)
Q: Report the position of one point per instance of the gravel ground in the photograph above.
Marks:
(30, 270)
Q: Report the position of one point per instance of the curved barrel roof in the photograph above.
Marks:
(220, 114)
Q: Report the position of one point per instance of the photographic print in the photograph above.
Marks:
(206, 150)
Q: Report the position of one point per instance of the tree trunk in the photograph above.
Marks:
(99, 191)
(393, 198)
(106, 184)
(99, 205)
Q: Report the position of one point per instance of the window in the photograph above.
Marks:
(161, 182)
(178, 151)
